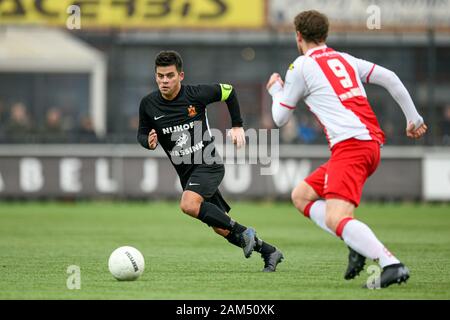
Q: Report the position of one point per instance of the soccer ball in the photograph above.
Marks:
(126, 263)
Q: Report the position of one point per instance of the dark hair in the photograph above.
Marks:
(312, 25)
(169, 58)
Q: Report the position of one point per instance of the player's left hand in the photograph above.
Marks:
(237, 136)
(416, 133)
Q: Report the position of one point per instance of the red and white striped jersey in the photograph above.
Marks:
(330, 83)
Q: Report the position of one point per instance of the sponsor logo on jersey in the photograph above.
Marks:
(184, 152)
(182, 140)
(179, 128)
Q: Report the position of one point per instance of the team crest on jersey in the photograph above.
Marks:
(191, 111)
(291, 66)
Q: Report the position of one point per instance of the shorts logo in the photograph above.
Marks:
(191, 111)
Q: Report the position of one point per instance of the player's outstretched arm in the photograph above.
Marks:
(386, 78)
(225, 92)
(236, 133)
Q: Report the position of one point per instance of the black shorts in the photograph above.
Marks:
(205, 179)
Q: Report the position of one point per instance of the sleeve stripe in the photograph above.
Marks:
(370, 73)
(286, 106)
(226, 91)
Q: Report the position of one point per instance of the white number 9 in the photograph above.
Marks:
(339, 70)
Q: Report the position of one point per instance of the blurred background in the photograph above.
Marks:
(72, 74)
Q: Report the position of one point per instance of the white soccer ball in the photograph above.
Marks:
(126, 263)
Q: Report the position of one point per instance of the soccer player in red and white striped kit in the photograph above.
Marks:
(331, 85)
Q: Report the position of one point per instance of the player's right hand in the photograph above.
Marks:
(416, 133)
(273, 78)
(152, 139)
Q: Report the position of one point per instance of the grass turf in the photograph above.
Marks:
(187, 260)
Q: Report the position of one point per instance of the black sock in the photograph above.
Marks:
(233, 238)
(263, 247)
(215, 217)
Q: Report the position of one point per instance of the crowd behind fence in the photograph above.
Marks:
(53, 108)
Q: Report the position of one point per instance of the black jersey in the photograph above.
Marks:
(181, 124)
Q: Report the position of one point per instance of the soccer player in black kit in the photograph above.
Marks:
(175, 117)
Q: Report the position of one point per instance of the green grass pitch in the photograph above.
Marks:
(186, 260)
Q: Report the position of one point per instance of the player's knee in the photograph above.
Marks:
(295, 197)
(189, 207)
(298, 200)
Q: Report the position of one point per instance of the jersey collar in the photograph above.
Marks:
(310, 51)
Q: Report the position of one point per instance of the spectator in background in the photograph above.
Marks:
(52, 130)
(53, 121)
(19, 124)
(389, 130)
(86, 133)
(129, 130)
(307, 131)
(133, 123)
(445, 125)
